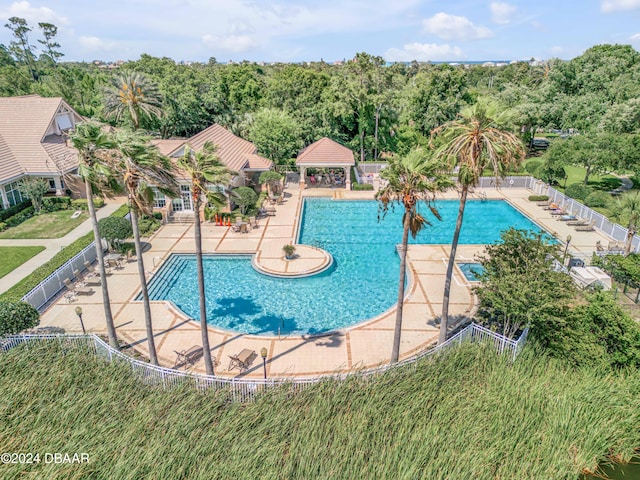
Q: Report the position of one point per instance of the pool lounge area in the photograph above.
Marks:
(366, 344)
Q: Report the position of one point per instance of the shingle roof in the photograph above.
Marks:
(325, 152)
(236, 153)
(25, 147)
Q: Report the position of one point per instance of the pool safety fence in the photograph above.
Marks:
(244, 389)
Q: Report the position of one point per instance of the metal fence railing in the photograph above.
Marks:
(246, 389)
(50, 286)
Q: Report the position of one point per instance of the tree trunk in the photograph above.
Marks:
(586, 175)
(111, 328)
(375, 150)
(361, 144)
(153, 356)
(452, 258)
(630, 233)
(204, 330)
(395, 352)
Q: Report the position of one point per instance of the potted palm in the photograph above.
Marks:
(289, 252)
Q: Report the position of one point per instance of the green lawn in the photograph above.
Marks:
(46, 225)
(12, 257)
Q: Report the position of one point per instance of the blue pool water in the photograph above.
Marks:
(362, 283)
(471, 271)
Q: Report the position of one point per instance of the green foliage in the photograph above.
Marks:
(276, 134)
(520, 287)
(81, 203)
(245, 198)
(16, 317)
(3, 226)
(362, 186)
(18, 218)
(579, 191)
(538, 198)
(548, 419)
(12, 257)
(272, 179)
(532, 166)
(11, 211)
(148, 225)
(31, 281)
(598, 199)
(53, 204)
(34, 188)
(114, 229)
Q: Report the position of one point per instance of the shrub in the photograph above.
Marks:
(157, 215)
(245, 198)
(579, 191)
(362, 186)
(11, 211)
(18, 218)
(597, 199)
(538, 198)
(148, 225)
(16, 317)
(532, 166)
(53, 204)
(3, 226)
(114, 229)
(81, 203)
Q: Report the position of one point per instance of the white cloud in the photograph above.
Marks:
(423, 52)
(501, 12)
(95, 44)
(608, 6)
(635, 37)
(33, 14)
(229, 43)
(452, 27)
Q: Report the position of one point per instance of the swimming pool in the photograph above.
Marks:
(362, 283)
(472, 271)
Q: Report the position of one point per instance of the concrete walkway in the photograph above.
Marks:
(52, 245)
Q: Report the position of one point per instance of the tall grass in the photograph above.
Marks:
(467, 415)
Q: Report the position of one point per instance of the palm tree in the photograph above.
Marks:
(628, 207)
(141, 168)
(203, 168)
(473, 142)
(94, 146)
(132, 95)
(413, 178)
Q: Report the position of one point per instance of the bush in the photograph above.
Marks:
(11, 211)
(18, 218)
(114, 229)
(3, 226)
(538, 198)
(157, 215)
(362, 186)
(532, 166)
(53, 204)
(579, 191)
(81, 203)
(245, 198)
(148, 225)
(597, 199)
(16, 317)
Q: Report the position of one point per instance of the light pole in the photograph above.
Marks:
(566, 249)
(79, 313)
(263, 354)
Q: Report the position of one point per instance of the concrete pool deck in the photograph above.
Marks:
(364, 345)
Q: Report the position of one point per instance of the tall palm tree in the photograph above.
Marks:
(628, 207)
(141, 167)
(94, 146)
(411, 179)
(473, 142)
(203, 168)
(132, 95)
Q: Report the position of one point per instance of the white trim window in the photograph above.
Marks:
(14, 195)
(159, 199)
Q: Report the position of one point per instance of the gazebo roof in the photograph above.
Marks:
(325, 153)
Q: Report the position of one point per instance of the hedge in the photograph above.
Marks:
(20, 217)
(53, 204)
(24, 286)
(81, 203)
(11, 211)
(538, 198)
(362, 186)
(16, 317)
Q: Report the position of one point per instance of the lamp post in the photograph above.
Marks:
(79, 313)
(566, 249)
(263, 354)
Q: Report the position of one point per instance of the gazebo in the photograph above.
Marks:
(325, 154)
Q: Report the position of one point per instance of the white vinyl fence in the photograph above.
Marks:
(241, 390)
(50, 286)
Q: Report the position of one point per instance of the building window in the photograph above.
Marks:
(159, 199)
(14, 196)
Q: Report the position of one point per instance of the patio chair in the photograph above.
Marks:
(577, 222)
(567, 218)
(77, 289)
(189, 356)
(131, 256)
(242, 360)
(253, 222)
(560, 211)
(552, 206)
(586, 228)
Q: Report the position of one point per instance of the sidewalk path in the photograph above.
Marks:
(52, 246)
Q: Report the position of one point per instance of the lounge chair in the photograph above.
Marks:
(577, 222)
(560, 211)
(552, 206)
(586, 228)
(544, 204)
(77, 289)
(242, 360)
(189, 356)
(567, 218)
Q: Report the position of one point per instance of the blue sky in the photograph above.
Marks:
(299, 30)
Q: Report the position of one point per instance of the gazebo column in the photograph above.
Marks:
(58, 183)
(303, 177)
(347, 177)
